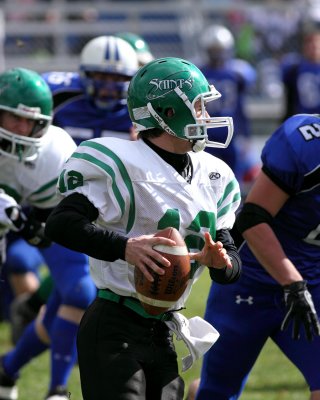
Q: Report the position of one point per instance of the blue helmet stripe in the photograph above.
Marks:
(107, 52)
(117, 52)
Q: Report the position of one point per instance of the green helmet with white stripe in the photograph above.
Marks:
(164, 94)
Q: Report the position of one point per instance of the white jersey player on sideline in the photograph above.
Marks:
(32, 153)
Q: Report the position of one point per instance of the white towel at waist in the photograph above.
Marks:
(197, 334)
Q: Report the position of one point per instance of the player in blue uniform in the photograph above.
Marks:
(234, 78)
(89, 103)
(278, 294)
(301, 76)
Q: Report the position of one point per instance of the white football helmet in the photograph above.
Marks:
(110, 55)
(218, 42)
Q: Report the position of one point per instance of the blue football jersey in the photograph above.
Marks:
(79, 116)
(291, 158)
(302, 78)
(233, 81)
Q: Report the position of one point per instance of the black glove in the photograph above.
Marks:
(28, 227)
(33, 233)
(300, 309)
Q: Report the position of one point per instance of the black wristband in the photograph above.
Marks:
(296, 286)
(227, 275)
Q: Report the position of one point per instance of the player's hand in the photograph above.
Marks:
(33, 233)
(213, 254)
(140, 252)
(300, 310)
(13, 218)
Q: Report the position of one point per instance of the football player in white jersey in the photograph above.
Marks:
(87, 104)
(32, 153)
(116, 195)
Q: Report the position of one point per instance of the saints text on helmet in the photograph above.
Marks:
(162, 87)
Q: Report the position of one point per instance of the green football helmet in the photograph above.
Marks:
(163, 94)
(24, 93)
(139, 45)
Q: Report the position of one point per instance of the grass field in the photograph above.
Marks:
(273, 377)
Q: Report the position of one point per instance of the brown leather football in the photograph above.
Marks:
(160, 295)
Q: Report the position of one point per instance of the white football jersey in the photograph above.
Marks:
(34, 183)
(137, 193)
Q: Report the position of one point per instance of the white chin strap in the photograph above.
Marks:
(199, 145)
(160, 121)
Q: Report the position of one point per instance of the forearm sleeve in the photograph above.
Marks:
(70, 225)
(227, 275)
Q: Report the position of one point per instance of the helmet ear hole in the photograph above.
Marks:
(169, 112)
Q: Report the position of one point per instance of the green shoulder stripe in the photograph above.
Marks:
(225, 209)
(45, 192)
(123, 172)
(230, 187)
(11, 192)
(236, 198)
(46, 186)
(44, 199)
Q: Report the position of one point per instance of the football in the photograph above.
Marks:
(160, 295)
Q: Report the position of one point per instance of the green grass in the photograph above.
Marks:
(273, 377)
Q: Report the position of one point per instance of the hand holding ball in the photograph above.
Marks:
(160, 295)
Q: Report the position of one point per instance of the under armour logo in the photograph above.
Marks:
(239, 300)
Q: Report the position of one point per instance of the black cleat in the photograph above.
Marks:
(58, 393)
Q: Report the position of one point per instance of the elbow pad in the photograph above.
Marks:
(251, 215)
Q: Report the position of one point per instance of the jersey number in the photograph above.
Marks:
(205, 221)
(313, 237)
(74, 180)
(310, 132)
